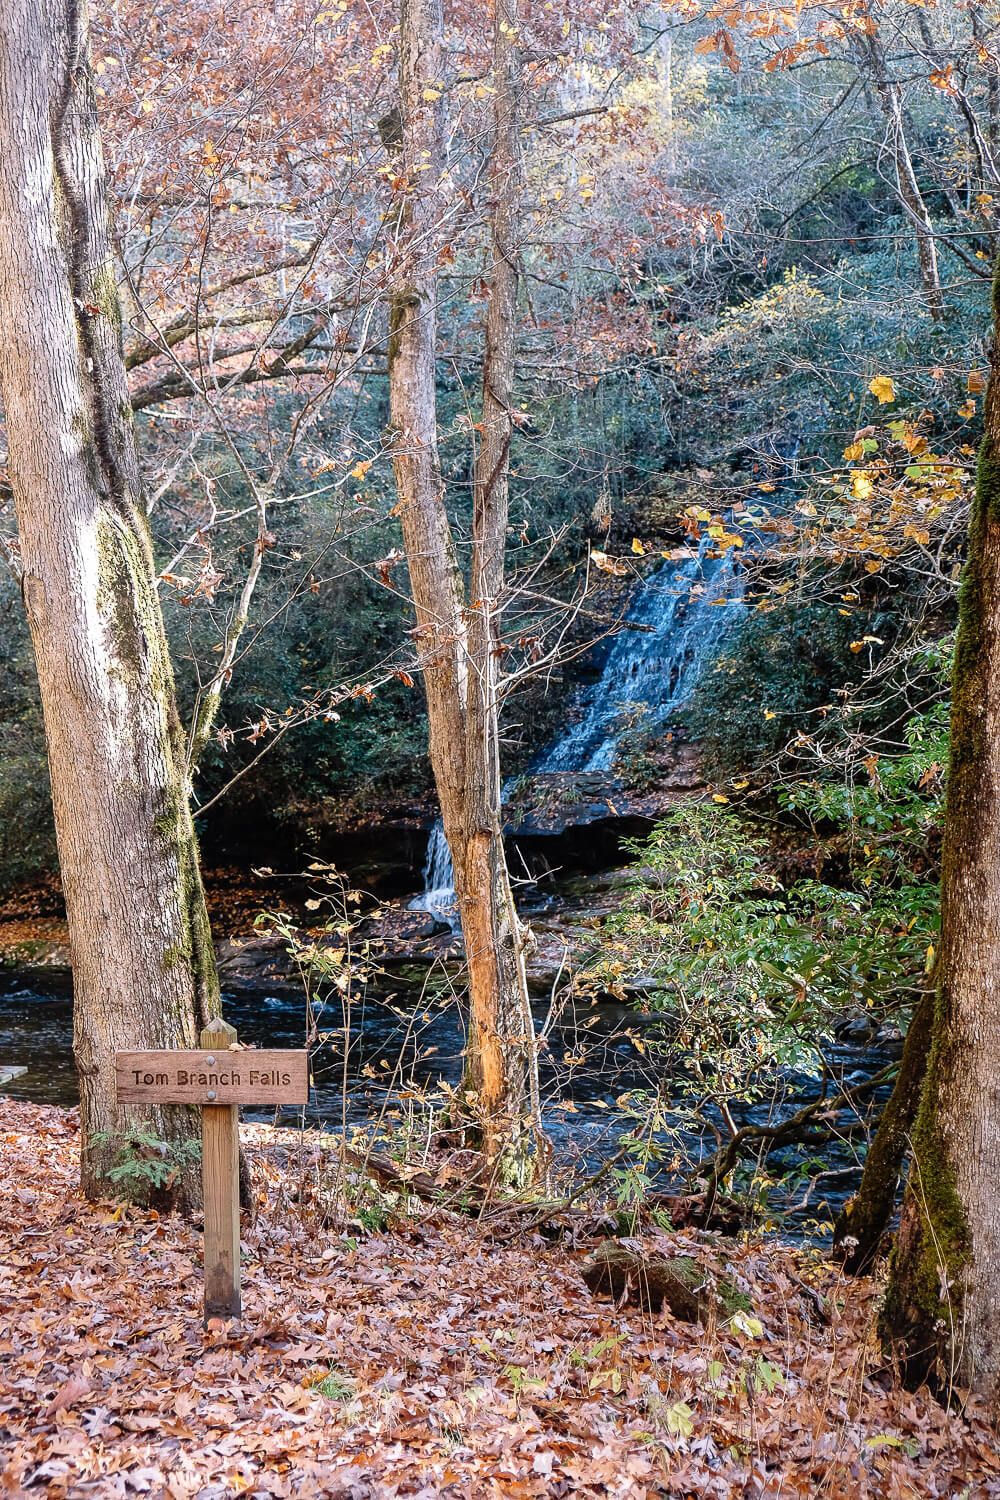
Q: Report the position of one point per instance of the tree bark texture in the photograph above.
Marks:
(143, 966)
(435, 579)
(944, 1289)
(504, 1068)
(458, 636)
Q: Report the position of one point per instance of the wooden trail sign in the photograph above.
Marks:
(219, 1079)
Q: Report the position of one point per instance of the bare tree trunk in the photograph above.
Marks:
(505, 1067)
(944, 1289)
(143, 966)
(462, 704)
(907, 188)
(435, 579)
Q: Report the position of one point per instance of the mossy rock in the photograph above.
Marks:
(652, 1280)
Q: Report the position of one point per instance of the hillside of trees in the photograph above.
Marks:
(500, 571)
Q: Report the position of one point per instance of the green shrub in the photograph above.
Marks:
(774, 676)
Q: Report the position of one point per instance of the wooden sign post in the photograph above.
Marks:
(219, 1078)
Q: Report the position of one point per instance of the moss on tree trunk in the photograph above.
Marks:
(944, 1286)
(865, 1218)
(143, 968)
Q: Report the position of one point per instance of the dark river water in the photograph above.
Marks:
(401, 1053)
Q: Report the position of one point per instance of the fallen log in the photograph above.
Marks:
(399, 1177)
(652, 1280)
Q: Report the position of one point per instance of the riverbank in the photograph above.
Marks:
(389, 1030)
(33, 931)
(568, 839)
(428, 1360)
(564, 918)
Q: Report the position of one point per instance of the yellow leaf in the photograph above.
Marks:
(883, 389)
(637, 546)
(752, 1327)
(967, 408)
(854, 452)
(861, 485)
(719, 797)
(361, 469)
(430, 95)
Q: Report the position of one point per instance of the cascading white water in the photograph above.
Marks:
(438, 895)
(680, 615)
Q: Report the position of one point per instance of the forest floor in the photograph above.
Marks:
(432, 1359)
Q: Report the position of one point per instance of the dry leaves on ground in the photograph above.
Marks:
(428, 1361)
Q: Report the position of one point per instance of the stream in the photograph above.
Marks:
(402, 1048)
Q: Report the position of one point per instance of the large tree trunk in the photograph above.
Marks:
(143, 967)
(458, 644)
(435, 579)
(944, 1291)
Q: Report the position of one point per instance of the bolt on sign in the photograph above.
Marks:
(219, 1077)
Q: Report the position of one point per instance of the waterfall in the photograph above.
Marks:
(679, 616)
(438, 895)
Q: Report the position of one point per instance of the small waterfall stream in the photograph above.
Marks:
(438, 894)
(674, 628)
